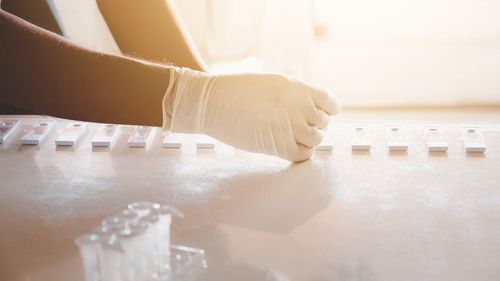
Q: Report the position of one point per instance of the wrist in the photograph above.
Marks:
(168, 100)
(186, 100)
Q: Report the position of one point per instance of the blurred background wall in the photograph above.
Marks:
(370, 53)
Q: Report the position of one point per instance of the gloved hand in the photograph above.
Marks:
(264, 113)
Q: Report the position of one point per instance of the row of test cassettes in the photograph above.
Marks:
(141, 136)
(106, 135)
(397, 139)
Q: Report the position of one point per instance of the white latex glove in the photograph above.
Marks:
(264, 113)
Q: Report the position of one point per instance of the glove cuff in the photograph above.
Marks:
(168, 101)
(185, 101)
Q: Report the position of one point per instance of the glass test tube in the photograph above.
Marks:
(106, 231)
(113, 221)
(130, 240)
(163, 242)
(142, 208)
(141, 266)
(111, 259)
(151, 253)
(129, 217)
(89, 251)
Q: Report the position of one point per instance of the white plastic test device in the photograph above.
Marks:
(141, 136)
(326, 144)
(106, 135)
(435, 139)
(37, 132)
(172, 140)
(7, 129)
(396, 138)
(71, 134)
(360, 140)
(204, 142)
(473, 139)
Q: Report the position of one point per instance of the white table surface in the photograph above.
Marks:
(342, 215)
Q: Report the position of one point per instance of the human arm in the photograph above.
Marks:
(45, 73)
(264, 113)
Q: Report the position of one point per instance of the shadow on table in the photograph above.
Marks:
(272, 202)
(437, 154)
(398, 153)
(474, 155)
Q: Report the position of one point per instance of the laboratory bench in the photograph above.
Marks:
(342, 215)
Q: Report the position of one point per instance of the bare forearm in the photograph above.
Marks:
(47, 74)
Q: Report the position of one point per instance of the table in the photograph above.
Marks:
(342, 215)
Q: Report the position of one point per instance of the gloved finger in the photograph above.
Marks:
(318, 118)
(324, 100)
(314, 116)
(301, 153)
(307, 135)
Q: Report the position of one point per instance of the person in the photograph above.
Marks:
(44, 73)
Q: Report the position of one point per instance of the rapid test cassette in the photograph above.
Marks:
(172, 140)
(396, 138)
(473, 139)
(7, 129)
(106, 135)
(326, 144)
(37, 132)
(71, 134)
(435, 139)
(360, 140)
(141, 136)
(205, 142)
